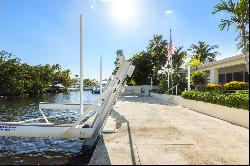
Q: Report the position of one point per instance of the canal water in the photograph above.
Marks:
(54, 151)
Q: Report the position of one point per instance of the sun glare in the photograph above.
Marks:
(123, 10)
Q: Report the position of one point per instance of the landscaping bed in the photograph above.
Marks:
(236, 99)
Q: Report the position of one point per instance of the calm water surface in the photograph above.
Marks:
(42, 150)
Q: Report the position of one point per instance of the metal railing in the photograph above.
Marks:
(176, 90)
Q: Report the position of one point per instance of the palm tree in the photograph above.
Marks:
(239, 16)
(157, 48)
(179, 57)
(56, 67)
(157, 52)
(204, 52)
(179, 76)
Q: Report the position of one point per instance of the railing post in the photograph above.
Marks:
(189, 78)
(176, 89)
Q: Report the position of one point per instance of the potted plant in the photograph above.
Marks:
(199, 79)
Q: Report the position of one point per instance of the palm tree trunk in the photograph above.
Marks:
(245, 50)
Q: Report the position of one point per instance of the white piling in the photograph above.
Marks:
(81, 63)
(101, 75)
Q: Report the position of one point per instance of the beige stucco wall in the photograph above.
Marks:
(231, 69)
(233, 115)
(137, 89)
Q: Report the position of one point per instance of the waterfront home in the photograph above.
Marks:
(75, 83)
(226, 70)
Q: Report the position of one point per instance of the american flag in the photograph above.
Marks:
(170, 48)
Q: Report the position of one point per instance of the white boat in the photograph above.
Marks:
(56, 87)
(96, 88)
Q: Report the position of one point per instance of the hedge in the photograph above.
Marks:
(235, 85)
(235, 100)
(237, 91)
(213, 87)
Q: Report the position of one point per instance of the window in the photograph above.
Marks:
(238, 76)
(246, 77)
(229, 77)
(222, 78)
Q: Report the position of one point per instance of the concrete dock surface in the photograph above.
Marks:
(153, 132)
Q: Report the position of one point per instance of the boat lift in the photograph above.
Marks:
(91, 121)
(88, 126)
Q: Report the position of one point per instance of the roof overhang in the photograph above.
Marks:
(227, 62)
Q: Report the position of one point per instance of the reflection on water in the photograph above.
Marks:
(15, 150)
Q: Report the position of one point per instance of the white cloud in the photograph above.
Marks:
(106, 1)
(167, 12)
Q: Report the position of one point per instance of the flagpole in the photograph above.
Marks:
(172, 74)
(167, 62)
(171, 61)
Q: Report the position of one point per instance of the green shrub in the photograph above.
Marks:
(163, 86)
(213, 87)
(242, 91)
(199, 77)
(230, 99)
(236, 91)
(131, 82)
(235, 85)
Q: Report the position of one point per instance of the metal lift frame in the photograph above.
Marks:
(94, 115)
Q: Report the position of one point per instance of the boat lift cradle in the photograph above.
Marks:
(88, 126)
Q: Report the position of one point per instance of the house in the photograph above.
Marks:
(227, 70)
(75, 83)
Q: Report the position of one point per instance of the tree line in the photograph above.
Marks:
(149, 63)
(18, 78)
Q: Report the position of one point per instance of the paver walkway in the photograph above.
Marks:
(154, 132)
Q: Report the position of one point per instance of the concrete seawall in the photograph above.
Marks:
(152, 131)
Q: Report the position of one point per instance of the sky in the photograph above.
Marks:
(47, 31)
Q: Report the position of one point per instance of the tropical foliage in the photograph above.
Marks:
(204, 52)
(131, 82)
(18, 78)
(148, 63)
(238, 16)
(195, 62)
(143, 68)
(89, 82)
(179, 75)
(199, 77)
(153, 61)
(238, 13)
(231, 100)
